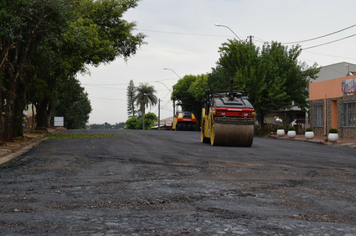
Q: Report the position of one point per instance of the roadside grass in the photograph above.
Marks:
(86, 136)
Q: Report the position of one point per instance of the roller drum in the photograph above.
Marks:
(232, 135)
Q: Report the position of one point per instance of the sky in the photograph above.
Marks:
(182, 37)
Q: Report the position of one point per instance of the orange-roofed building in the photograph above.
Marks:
(332, 104)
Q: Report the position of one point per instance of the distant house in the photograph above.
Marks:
(165, 124)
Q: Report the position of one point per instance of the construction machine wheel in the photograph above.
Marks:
(189, 126)
(179, 126)
(212, 135)
(193, 127)
(202, 138)
(231, 135)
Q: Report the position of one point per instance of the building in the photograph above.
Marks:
(295, 115)
(332, 104)
(165, 124)
(336, 70)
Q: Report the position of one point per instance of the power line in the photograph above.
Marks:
(307, 40)
(169, 32)
(127, 83)
(331, 55)
(330, 42)
(121, 100)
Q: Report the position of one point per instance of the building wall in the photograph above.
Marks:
(329, 93)
(328, 88)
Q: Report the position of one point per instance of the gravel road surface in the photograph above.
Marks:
(126, 182)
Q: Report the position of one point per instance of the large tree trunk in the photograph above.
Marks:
(44, 111)
(41, 116)
(49, 113)
(9, 120)
(20, 103)
(2, 139)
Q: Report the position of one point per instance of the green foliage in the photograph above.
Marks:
(150, 118)
(291, 128)
(131, 123)
(333, 131)
(106, 125)
(73, 104)
(309, 129)
(136, 123)
(130, 94)
(280, 127)
(191, 90)
(50, 41)
(145, 95)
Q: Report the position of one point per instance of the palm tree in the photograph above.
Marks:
(145, 95)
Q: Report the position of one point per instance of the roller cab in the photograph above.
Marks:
(227, 120)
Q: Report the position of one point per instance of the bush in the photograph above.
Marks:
(291, 128)
(131, 123)
(309, 129)
(333, 131)
(280, 127)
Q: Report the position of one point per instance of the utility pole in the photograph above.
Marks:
(159, 113)
(250, 38)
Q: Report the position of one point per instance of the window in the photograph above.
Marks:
(319, 115)
(349, 114)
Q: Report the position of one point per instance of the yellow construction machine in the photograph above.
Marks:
(184, 120)
(227, 119)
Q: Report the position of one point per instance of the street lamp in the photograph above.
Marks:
(164, 85)
(216, 24)
(173, 72)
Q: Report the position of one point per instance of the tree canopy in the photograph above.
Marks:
(145, 96)
(50, 41)
(272, 77)
(130, 94)
(137, 123)
(72, 103)
(191, 90)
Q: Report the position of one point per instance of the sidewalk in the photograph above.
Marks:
(349, 142)
(18, 147)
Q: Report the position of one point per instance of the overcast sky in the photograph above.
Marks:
(181, 36)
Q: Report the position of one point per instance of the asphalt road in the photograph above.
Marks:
(168, 183)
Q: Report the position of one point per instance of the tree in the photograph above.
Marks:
(136, 123)
(98, 35)
(272, 78)
(145, 96)
(131, 123)
(76, 33)
(191, 90)
(24, 24)
(73, 104)
(150, 118)
(130, 93)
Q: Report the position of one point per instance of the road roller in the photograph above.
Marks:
(227, 119)
(184, 120)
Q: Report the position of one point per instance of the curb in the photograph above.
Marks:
(338, 143)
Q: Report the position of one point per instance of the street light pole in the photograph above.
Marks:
(174, 107)
(216, 24)
(173, 72)
(143, 114)
(159, 113)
